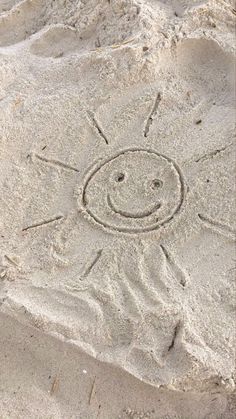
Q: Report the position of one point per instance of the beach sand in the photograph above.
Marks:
(117, 209)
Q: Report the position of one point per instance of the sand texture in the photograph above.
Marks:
(117, 202)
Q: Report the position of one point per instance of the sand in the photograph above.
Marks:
(117, 209)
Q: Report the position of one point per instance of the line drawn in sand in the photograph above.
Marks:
(176, 338)
(178, 272)
(92, 392)
(97, 126)
(92, 264)
(54, 162)
(220, 228)
(42, 223)
(152, 115)
(213, 153)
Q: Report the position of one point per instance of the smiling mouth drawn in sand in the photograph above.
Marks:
(135, 191)
(140, 214)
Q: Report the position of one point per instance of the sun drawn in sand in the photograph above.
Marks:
(127, 289)
(135, 191)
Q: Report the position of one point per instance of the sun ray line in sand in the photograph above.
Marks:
(178, 272)
(97, 126)
(152, 115)
(175, 334)
(213, 153)
(42, 223)
(92, 264)
(176, 337)
(220, 228)
(53, 162)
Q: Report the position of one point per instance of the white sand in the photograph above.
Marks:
(117, 210)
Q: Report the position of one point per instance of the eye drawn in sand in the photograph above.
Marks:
(135, 191)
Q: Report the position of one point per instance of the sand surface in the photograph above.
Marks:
(117, 209)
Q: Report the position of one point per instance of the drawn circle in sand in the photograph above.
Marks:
(135, 191)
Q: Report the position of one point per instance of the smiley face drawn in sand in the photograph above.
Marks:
(135, 191)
